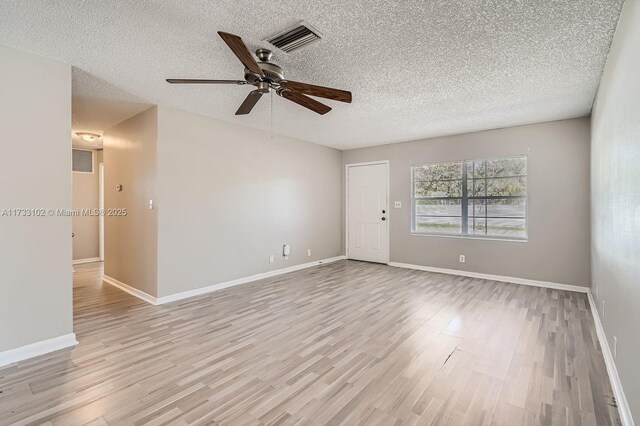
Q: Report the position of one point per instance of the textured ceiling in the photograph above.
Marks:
(417, 69)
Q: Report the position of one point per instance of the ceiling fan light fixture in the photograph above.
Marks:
(87, 136)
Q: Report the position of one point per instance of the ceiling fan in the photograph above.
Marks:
(267, 76)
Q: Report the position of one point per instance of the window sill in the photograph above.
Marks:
(459, 237)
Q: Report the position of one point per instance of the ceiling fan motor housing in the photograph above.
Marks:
(272, 72)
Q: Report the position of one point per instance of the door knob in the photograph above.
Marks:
(384, 218)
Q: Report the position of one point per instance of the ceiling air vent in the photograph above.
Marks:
(294, 38)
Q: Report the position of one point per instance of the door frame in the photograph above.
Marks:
(101, 206)
(346, 205)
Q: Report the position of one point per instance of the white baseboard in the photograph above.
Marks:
(87, 260)
(616, 385)
(514, 280)
(204, 290)
(220, 286)
(37, 349)
(131, 290)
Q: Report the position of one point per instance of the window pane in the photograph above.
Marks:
(500, 187)
(516, 166)
(438, 172)
(500, 167)
(439, 207)
(476, 187)
(439, 225)
(443, 188)
(506, 207)
(476, 169)
(477, 226)
(511, 228)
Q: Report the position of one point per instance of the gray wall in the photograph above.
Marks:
(615, 196)
(230, 195)
(35, 252)
(86, 228)
(131, 241)
(558, 197)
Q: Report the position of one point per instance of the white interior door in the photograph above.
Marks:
(367, 214)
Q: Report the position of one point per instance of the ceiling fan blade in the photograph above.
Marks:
(238, 47)
(196, 81)
(305, 101)
(319, 91)
(249, 102)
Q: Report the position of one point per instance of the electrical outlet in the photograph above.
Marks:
(462, 258)
(615, 347)
(308, 252)
(271, 258)
(397, 204)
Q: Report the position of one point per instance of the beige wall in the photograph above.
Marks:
(615, 227)
(231, 196)
(131, 250)
(86, 228)
(558, 197)
(35, 164)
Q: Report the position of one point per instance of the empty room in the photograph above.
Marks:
(319, 213)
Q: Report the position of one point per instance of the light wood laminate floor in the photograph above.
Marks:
(347, 342)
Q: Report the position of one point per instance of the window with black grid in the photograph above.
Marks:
(472, 198)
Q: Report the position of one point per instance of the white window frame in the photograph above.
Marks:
(464, 204)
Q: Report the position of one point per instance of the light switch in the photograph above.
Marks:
(397, 204)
